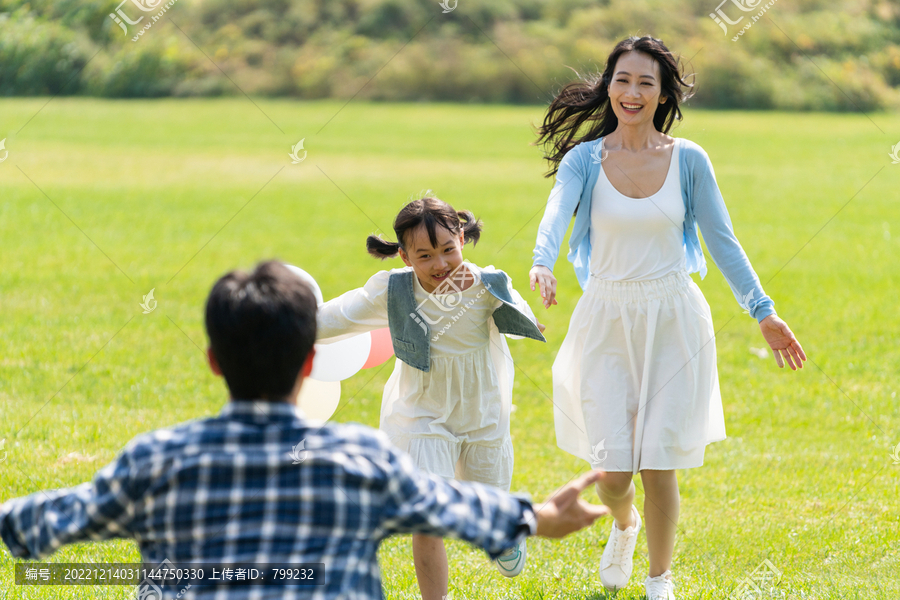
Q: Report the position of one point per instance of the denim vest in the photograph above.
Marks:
(410, 333)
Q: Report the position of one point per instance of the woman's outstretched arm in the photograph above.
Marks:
(561, 205)
(713, 219)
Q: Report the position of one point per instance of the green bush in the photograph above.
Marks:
(737, 80)
(137, 71)
(803, 55)
(39, 58)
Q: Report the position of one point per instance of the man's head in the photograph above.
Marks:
(261, 327)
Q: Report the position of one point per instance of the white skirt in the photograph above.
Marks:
(635, 384)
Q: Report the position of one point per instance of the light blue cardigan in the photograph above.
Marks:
(704, 207)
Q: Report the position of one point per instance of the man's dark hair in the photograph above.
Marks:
(261, 327)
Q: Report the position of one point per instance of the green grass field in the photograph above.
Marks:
(100, 201)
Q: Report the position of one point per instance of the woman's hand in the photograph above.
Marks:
(782, 341)
(543, 277)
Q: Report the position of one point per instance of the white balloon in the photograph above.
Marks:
(343, 359)
(310, 281)
(319, 399)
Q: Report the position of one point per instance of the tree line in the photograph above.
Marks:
(783, 54)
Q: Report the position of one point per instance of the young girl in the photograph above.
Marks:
(447, 403)
(635, 386)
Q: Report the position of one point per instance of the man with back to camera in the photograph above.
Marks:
(230, 489)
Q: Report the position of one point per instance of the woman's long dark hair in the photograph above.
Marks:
(586, 102)
(432, 213)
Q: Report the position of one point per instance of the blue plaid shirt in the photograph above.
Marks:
(259, 483)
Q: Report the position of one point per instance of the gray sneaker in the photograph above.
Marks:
(511, 562)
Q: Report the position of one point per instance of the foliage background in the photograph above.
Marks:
(497, 51)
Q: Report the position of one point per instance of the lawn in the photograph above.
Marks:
(102, 201)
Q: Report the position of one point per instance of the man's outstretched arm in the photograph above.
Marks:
(564, 512)
(483, 515)
(37, 525)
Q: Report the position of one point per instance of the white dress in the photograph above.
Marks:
(454, 419)
(635, 383)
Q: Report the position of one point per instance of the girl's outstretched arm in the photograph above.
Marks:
(354, 312)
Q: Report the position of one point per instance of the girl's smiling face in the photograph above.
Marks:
(634, 92)
(432, 264)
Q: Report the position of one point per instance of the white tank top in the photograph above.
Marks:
(636, 239)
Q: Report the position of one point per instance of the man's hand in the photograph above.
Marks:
(565, 512)
(546, 282)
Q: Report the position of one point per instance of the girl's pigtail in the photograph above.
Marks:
(380, 248)
(471, 227)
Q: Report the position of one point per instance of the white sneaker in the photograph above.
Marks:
(616, 564)
(660, 587)
(511, 562)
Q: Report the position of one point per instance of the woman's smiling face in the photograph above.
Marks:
(634, 92)
(432, 264)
